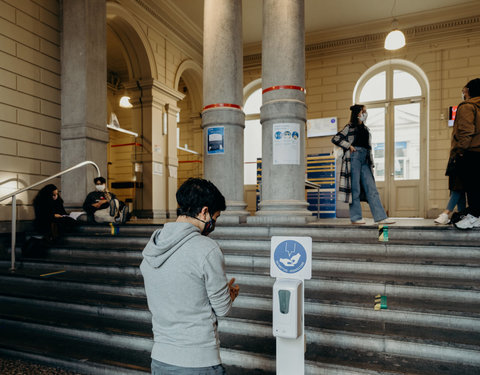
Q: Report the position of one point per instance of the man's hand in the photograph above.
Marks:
(97, 205)
(352, 149)
(234, 289)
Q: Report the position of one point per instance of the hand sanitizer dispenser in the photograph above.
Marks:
(287, 308)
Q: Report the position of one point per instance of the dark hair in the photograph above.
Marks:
(356, 109)
(196, 193)
(101, 179)
(45, 195)
(44, 199)
(473, 87)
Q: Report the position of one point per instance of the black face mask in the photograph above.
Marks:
(209, 226)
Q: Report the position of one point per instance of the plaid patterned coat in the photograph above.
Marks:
(344, 139)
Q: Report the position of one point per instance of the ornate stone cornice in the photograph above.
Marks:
(414, 35)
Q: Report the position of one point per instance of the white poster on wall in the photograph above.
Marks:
(321, 127)
(286, 143)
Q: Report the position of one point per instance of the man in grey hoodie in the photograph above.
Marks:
(186, 285)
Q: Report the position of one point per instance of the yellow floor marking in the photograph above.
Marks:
(52, 273)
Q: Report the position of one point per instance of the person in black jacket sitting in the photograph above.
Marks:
(102, 206)
(51, 219)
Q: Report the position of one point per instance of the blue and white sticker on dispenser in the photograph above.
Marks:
(291, 257)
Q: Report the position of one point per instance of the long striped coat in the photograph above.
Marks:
(344, 139)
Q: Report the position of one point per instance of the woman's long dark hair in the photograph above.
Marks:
(45, 207)
(45, 196)
(356, 109)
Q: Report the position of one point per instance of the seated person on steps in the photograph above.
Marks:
(51, 219)
(104, 207)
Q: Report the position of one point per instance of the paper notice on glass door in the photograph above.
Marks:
(286, 143)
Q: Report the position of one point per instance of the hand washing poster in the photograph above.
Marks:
(286, 143)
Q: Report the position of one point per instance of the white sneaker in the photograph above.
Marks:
(386, 221)
(468, 222)
(359, 222)
(442, 219)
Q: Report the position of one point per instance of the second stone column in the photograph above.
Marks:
(283, 115)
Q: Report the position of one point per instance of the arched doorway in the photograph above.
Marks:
(188, 81)
(129, 63)
(396, 94)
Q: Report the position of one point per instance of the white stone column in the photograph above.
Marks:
(84, 134)
(222, 100)
(283, 114)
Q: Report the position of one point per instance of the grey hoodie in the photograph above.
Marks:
(186, 286)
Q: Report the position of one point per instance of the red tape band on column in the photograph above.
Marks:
(283, 87)
(218, 105)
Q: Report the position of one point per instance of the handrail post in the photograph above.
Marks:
(14, 230)
(318, 203)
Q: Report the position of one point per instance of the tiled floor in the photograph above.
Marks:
(20, 367)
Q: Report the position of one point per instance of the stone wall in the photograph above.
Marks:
(29, 97)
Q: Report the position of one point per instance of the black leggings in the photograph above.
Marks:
(471, 180)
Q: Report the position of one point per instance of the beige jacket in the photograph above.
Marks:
(466, 128)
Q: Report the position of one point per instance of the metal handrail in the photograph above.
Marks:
(14, 201)
(316, 186)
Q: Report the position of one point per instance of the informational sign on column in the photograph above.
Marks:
(216, 140)
(286, 143)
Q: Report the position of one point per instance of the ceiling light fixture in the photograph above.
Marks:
(395, 38)
(125, 102)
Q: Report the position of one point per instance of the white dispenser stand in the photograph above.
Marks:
(291, 264)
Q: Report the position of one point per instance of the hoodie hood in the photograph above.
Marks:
(164, 242)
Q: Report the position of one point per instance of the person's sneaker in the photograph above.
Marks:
(442, 219)
(113, 209)
(468, 222)
(359, 222)
(124, 215)
(385, 221)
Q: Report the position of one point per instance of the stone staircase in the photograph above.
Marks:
(92, 318)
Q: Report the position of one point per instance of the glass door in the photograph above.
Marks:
(395, 106)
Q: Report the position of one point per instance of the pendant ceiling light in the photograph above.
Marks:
(395, 38)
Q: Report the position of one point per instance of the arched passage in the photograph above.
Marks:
(188, 80)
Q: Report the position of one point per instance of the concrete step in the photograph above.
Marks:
(389, 252)
(434, 235)
(257, 338)
(467, 275)
(407, 295)
(90, 313)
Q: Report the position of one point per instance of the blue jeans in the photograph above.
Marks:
(160, 368)
(362, 174)
(457, 198)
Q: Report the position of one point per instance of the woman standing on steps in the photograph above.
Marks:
(356, 177)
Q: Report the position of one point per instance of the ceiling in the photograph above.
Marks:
(323, 15)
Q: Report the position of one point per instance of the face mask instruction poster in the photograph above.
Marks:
(215, 140)
(286, 143)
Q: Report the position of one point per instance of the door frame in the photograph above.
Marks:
(389, 66)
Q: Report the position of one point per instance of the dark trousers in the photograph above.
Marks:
(471, 181)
